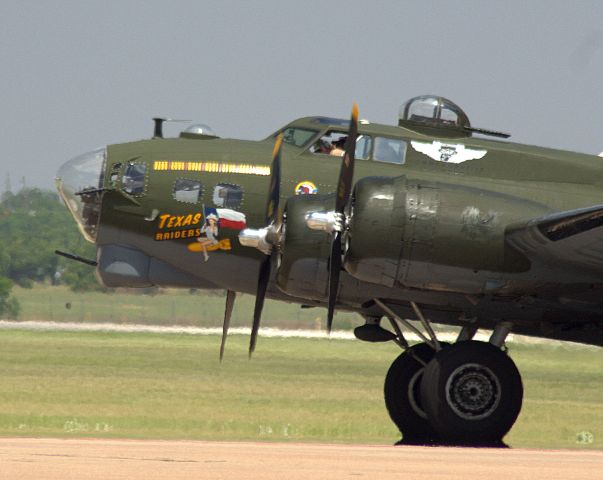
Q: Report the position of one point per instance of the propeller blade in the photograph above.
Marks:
(346, 173)
(260, 295)
(344, 189)
(272, 217)
(334, 269)
(275, 182)
(230, 299)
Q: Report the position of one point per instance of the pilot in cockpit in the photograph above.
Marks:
(322, 146)
(333, 143)
(338, 147)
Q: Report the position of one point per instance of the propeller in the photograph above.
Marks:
(344, 189)
(270, 230)
(230, 299)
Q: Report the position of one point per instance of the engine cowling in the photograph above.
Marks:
(402, 231)
(304, 253)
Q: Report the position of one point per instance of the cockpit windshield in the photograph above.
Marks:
(297, 136)
(79, 182)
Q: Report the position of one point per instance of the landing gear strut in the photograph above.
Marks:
(468, 393)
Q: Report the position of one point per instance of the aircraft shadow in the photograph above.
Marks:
(403, 442)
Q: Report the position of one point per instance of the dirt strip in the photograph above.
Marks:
(54, 459)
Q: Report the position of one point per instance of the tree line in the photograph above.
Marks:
(33, 224)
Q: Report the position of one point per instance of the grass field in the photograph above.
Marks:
(200, 308)
(172, 386)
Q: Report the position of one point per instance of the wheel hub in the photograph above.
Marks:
(473, 391)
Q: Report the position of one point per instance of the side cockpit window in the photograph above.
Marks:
(363, 147)
(187, 191)
(227, 195)
(333, 143)
(389, 150)
(330, 144)
(134, 179)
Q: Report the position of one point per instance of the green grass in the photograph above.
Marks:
(170, 307)
(172, 386)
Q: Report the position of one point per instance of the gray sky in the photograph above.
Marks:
(80, 74)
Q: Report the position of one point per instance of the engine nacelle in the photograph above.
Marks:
(408, 232)
(304, 253)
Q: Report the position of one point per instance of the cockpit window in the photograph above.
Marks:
(297, 136)
(363, 147)
(331, 121)
(389, 150)
(333, 143)
(330, 144)
(133, 181)
(187, 191)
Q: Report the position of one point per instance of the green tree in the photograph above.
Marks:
(9, 306)
(33, 224)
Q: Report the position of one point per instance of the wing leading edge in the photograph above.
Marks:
(573, 237)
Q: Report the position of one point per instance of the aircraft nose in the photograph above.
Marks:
(79, 182)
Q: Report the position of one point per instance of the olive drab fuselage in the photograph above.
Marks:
(428, 226)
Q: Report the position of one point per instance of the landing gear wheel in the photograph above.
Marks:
(402, 395)
(472, 393)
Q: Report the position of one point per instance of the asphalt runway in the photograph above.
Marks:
(50, 459)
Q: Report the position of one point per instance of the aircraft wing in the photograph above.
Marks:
(573, 238)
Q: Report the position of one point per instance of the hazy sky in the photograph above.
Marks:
(80, 74)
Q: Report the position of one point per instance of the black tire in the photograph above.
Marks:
(402, 395)
(472, 393)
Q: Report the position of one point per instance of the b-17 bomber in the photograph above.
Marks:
(431, 220)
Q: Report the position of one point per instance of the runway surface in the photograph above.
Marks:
(50, 459)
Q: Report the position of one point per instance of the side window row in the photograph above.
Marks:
(225, 195)
(383, 149)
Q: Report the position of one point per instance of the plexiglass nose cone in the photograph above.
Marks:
(78, 182)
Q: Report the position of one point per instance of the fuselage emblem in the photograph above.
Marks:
(448, 153)
(215, 220)
(305, 188)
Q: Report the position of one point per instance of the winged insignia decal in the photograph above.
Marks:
(446, 152)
